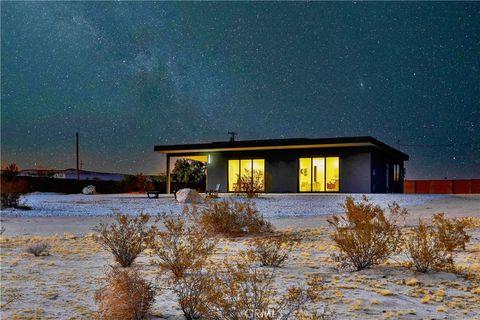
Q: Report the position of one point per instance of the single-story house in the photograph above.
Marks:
(338, 165)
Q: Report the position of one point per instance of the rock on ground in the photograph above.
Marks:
(188, 196)
(89, 190)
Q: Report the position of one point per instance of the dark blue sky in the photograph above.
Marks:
(128, 76)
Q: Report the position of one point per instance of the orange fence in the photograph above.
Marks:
(442, 186)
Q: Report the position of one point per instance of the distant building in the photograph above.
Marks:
(38, 173)
(345, 165)
(71, 174)
(93, 175)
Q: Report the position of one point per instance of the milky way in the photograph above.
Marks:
(129, 76)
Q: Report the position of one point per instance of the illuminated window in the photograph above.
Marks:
(305, 177)
(248, 171)
(258, 172)
(318, 170)
(319, 174)
(332, 165)
(233, 172)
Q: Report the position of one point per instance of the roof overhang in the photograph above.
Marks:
(306, 146)
(278, 144)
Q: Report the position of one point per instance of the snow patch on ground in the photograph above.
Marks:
(270, 205)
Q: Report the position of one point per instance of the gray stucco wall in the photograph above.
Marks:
(281, 174)
(217, 172)
(281, 168)
(355, 172)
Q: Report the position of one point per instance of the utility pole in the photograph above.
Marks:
(78, 171)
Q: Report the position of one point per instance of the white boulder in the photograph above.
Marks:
(188, 196)
(89, 190)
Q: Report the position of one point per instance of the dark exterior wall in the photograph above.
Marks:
(282, 174)
(281, 168)
(217, 172)
(382, 167)
(355, 174)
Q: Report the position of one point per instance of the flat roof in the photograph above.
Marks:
(278, 144)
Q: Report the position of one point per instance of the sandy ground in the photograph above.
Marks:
(61, 285)
(16, 224)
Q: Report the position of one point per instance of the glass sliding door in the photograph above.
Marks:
(304, 175)
(248, 170)
(332, 176)
(319, 174)
(318, 184)
(233, 174)
(258, 167)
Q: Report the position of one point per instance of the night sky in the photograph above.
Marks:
(129, 76)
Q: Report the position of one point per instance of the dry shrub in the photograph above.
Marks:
(190, 291)
(273, 251)
(451, 232)
(38, 249)
(365, 236)
(240, 289)
(182, 247)
(182, 251)
(233, 218)
(9, 295)
(250, 185)
(125, 296)
(11, 188)
(126, 238)
(426, 251)
(11, 191)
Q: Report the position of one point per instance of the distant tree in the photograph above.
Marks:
(188, 172)
(135, 183)
(9, 172)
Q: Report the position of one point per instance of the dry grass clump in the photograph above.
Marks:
(125, 238)
(9, 296)
(273, 251)
(365, 236)
(451, 232)
(233, 218)
(38, 249)
(240, 289)
(125, 296)
(182, 251)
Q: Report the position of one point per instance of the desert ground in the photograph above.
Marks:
(61, 285)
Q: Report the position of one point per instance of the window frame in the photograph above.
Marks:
(240, 171)
(311, 173)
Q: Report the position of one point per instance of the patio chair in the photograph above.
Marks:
(213, 193)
